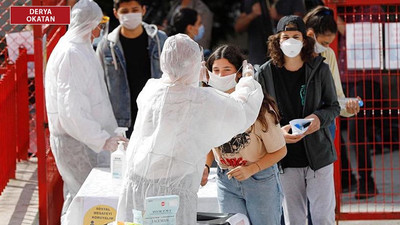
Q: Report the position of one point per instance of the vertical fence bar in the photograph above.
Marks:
(41, 146)
(22, 105)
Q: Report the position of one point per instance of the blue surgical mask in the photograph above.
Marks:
(200, 33)
(96, 41)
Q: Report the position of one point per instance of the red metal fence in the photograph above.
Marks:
(368, 50)
(8, 125)
(22, 108)
(14, 111)
(14, 122)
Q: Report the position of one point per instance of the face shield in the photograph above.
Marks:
(181, 60)
(103, 26)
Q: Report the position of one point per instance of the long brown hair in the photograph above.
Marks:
(268, 105)
(277, 56)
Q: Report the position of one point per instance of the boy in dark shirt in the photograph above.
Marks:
(130, 56)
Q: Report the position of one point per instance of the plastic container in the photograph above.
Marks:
(121, 131)
(299, 126)
(118, 161)
(343, 101)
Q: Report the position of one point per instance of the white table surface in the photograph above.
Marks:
(100, 189)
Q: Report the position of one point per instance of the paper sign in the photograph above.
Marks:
(364, 45)
(392, 45)
(40, 15)
(161, 210)
(99, 215)
(99, 210)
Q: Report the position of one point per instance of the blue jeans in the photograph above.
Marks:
(259, 197)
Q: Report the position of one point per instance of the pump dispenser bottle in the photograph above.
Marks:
(118, 161)
(121, 131)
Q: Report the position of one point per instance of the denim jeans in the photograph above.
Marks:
(259, 197)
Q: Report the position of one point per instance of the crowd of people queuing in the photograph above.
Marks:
(186, 109)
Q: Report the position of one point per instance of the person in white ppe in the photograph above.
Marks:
(81, 120)
(178, 123)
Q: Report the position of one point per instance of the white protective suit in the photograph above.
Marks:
(177, 125)
(78, 107)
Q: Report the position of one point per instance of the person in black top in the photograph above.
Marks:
(138, 70)
(303, 87)
(130, 56)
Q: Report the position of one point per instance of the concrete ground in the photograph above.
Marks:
(19, 200)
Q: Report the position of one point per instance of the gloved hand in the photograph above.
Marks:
(248, 70)
(203, 72)
(112, 143)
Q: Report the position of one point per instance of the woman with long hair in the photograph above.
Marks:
(247, 164)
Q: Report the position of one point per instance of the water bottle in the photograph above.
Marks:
(343, 101)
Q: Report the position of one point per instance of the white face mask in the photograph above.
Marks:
(130, 20)
(318, 48)
(222, 83)
(291, 47)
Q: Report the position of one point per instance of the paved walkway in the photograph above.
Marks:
(19, 200)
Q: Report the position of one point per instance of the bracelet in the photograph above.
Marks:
(259, 168)
(208, 167)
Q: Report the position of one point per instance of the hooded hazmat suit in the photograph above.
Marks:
(177, 125)
(78, 107)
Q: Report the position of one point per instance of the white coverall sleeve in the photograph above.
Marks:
(75, 107)
(237, 111)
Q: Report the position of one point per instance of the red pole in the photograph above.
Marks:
(40, 115)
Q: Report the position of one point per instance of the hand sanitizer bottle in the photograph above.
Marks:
(343, 101)
(121, 131)
(118, 161)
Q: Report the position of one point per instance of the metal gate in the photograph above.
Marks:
(368, 50)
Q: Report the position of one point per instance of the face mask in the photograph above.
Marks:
(318, 48)
(222, 83)
(200, 33)
(291, 47)
(96, 40)
(130, 20)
